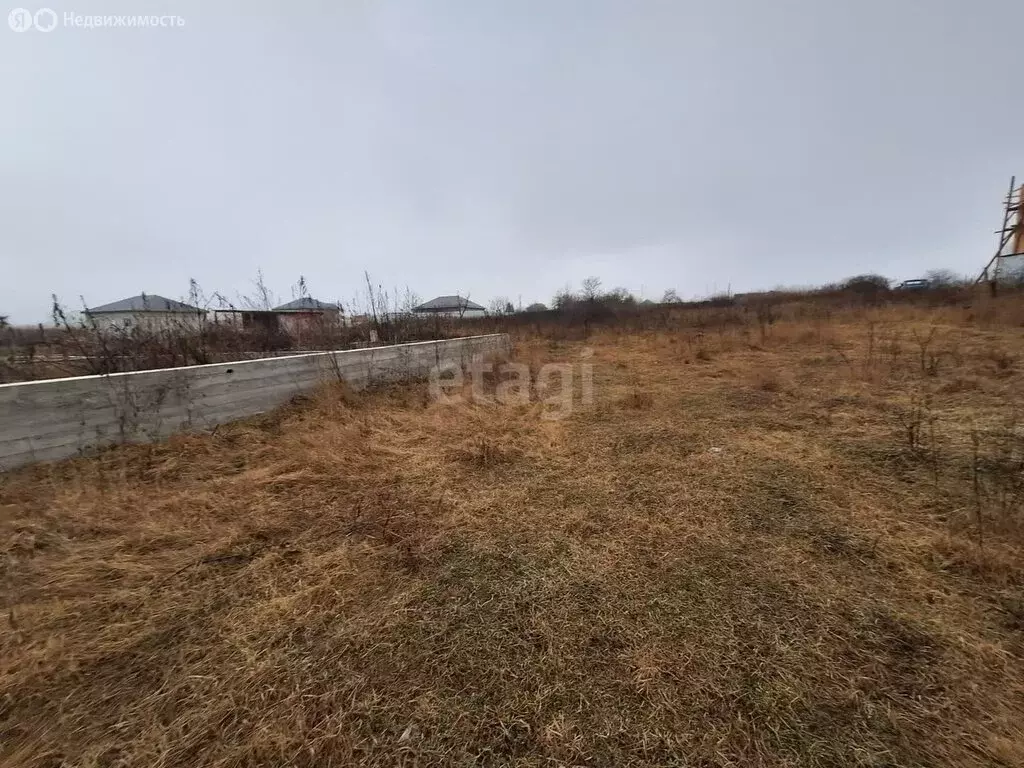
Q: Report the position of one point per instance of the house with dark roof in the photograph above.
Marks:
(306, 314)
(147, 310)
(308, 304)
(450, 306)
(295, 317)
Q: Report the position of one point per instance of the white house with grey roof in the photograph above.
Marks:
(147, 311)
(450, 306)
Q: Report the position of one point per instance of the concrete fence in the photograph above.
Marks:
(57, 418)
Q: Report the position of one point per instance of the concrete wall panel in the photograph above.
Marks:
(57, 418)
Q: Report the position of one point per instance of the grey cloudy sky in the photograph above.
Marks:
(504, 148)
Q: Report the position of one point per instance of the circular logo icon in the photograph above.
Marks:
(45, 19)
(20, 20)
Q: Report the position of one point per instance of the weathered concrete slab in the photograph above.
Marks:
(57, 418)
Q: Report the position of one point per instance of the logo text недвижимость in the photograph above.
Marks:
(46, 20)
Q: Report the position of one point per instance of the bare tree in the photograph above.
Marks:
(410, 300)
(500, 305)
(591, 288)
(301, 289)
(943, 278)
(618, 296)
(564, 298)
(264, 298)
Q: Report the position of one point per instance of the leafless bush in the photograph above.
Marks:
(393, 321)
(915, 420)
(928, 360)
(997, 472)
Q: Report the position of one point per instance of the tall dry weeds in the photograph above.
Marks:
(769, 556)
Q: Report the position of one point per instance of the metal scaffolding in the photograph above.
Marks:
(1011, 235)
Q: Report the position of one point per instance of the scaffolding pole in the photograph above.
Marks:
(1011, 234)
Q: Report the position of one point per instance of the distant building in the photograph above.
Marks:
(306, 313)
(147, 311)
(267, 319)
(308, 304)
(295, 317)
(450, 306)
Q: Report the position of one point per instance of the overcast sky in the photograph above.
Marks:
(503, 148)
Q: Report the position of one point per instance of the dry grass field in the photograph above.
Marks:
(798, 543)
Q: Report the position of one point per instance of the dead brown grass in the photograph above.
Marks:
(800, 546)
